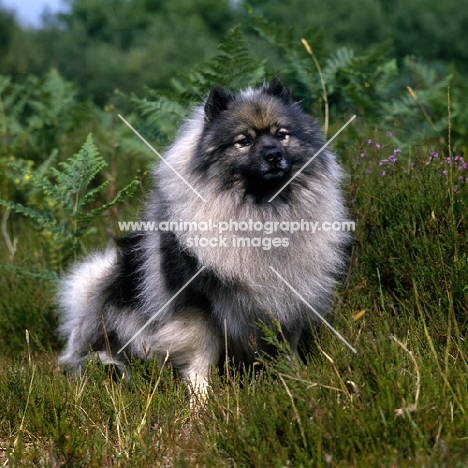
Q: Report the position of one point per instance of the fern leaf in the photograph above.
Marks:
(31, 213)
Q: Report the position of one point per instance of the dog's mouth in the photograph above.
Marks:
(274, 175)
(275, 172)
(268, 182)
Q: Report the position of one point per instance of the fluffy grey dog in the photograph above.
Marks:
(237, 151)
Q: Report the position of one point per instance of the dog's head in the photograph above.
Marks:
(255, 140)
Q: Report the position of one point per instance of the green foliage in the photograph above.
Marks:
(27, 302)
(412, 208)
(422, 111)
(130, 44)
(124, 44)
(295, 63)
(233, 66)
(34, 115)
(7, 30)
(360, 82)
(64, 197)
(459, 121)
(427, 29)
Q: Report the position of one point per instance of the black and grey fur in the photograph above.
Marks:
(237, 151)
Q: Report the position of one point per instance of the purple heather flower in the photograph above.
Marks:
(445, 173)
(456, 158)
(384, 161)
(448, 160)
(362, 155)
(412, 165)
(433, 156)
(396, 150)
(377, 145)
(383, 173)
(389, 134)
(463, 166)
(455, 190)
(369, 142)
(392, 159)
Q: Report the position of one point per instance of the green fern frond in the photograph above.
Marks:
(44, 273)
(31, 213)
(340, 60)
(67, 210)
(40, 111)
(235, 66)
(126, 192)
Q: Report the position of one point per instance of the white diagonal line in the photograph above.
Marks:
(156, 314)
(157, 153)
(314, 311)
(311, 159)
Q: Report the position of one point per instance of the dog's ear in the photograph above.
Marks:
(217, 101)
(276, 88)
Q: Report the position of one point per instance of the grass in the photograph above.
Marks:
(402, 400)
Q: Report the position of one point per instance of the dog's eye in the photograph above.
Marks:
(282, 134)
(242, 142)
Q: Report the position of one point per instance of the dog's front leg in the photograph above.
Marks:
(194, 347)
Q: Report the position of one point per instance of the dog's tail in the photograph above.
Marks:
(77, 301)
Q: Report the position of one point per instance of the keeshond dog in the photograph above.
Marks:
(229, 167)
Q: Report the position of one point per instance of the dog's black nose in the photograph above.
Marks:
(272, 154)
